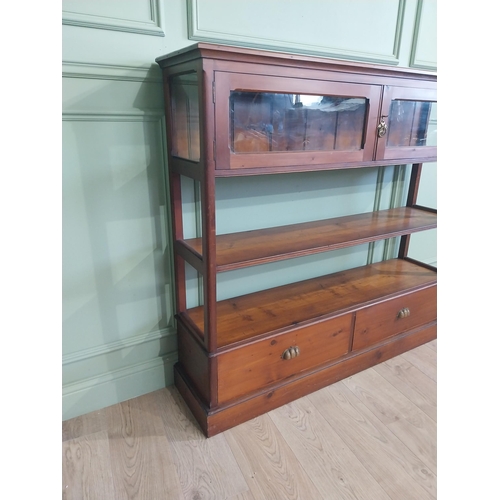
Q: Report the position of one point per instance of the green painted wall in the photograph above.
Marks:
(118, 331)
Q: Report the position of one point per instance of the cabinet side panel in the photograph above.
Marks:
(195, 363)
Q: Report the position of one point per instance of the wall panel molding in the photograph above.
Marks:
(423, 51)
(73, 69)
(151, 26)
(147, 82)
(97, 115)
(116, 370)
(200, 32)
(397, 200)
(104, 349)
(376, 206)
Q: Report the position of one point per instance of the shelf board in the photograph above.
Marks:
(249, 248)
(287, 169)
(193, 170)
(256, 314)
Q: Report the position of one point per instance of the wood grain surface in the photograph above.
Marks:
(258, 365)
(258, 313)
(271, 469)
(384, 455)
(265, 245)
(369, 437)
(333, 467)
(141, 459)
(87, 468)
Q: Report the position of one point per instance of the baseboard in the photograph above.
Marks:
(117, 386)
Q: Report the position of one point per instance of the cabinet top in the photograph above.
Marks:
(206, 51)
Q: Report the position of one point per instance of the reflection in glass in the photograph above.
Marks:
(412, 123)
(185, 114)
(263, 122)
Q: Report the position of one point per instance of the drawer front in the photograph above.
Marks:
(380, 321)
(258, 365)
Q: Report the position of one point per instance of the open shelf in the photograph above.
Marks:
(249, 248)
(240, 112)
(249, 316)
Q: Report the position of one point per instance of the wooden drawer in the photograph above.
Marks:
(249, 368)
(394, 316)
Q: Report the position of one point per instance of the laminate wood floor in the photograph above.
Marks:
(371, 436)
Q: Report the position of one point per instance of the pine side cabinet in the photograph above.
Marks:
(235, 112)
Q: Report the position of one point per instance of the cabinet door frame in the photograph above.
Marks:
(415, 153)
(225, 82)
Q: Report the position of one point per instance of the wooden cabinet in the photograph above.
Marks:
(411, 129)
(234, 112)
(273, 121)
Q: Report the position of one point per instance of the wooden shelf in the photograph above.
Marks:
(193, 170)
(256, 314)
(237, 112)
(249, 248)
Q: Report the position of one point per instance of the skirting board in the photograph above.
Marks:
(118, 386)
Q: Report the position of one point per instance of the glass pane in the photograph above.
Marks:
(412, 123)
(263, 122)
(185, 116)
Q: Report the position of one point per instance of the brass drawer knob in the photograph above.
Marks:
(291, 352)
(404, 313)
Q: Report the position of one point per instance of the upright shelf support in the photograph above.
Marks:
(229, 113)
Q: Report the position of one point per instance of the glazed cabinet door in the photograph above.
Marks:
(274, 122)
(408, 124)
(183, 107)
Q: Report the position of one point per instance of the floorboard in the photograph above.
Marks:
(326, 458)
(86, 468)
(270, 468)
(371, 436)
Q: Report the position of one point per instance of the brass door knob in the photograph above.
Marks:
(404, 313)
(291, 352)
